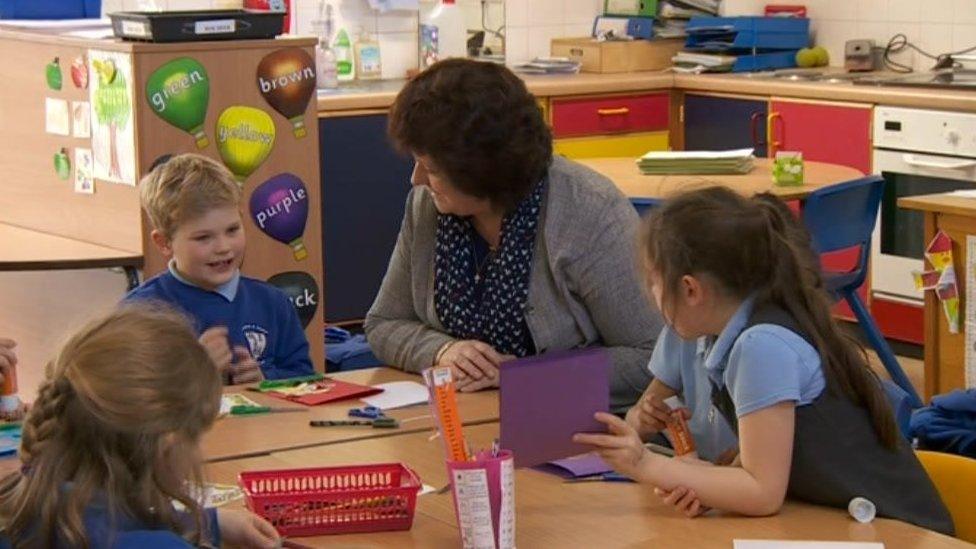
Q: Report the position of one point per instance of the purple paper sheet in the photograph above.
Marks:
(546, 399)
(585, 465)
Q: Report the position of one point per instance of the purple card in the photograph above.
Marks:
(545, 399)
(585, 465)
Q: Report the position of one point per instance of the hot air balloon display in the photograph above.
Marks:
(279, 207)
(301, 290)
(286, 79)
(179, 92)
(245, 137)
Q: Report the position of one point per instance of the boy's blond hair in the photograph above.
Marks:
(186, 187)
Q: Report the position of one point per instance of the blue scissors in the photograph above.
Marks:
(368, 412)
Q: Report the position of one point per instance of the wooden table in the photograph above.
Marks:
(550, 513)
(241, 436)
(29, 250)
(945, 357)
(624, 173)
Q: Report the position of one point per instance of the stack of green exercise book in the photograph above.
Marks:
(696, 162)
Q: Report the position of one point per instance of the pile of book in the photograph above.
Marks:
(549, 65)
(673, 15)
(737, 161)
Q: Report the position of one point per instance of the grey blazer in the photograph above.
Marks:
(584, 288)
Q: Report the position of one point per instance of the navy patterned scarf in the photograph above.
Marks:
(484, 298)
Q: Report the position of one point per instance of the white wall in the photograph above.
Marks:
(531, 24)
(937, 26)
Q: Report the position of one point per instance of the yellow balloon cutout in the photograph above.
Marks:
(245, 137)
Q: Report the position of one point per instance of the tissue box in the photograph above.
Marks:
(788, 168)
(617, 56)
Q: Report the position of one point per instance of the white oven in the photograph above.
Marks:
(918, 152)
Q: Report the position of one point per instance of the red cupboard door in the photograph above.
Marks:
(827, 132)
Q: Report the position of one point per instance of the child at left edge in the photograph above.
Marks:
(250, 329)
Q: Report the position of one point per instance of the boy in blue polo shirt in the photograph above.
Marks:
(249, 327)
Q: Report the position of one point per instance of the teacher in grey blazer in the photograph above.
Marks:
(504, 250)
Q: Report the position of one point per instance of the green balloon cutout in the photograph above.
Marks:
(179, 92)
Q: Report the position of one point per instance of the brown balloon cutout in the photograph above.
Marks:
(286, 79)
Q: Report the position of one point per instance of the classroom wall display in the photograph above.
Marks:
(81, 119)
(113, 134)
(57, 119)
(52, 74)
(79, 72)
(245, 137)
(84, 181)
(302, 291)
(279, 207)
(62, 164)
(286, 80)
(179, 93)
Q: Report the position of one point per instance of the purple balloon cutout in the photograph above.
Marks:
(279, 207)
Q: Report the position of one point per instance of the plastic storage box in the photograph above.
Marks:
(334, 500)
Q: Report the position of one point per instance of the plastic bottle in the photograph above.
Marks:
(368, 58)
(326, 76)
(9, 401)
(345, 63)
(862, 509)
(450, 28)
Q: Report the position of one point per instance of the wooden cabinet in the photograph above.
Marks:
(839, 133)
(364, 189)
(713, 122)
(614, 126)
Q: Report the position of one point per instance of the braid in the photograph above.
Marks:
(42, 422)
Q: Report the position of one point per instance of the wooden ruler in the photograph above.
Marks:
(444, 402)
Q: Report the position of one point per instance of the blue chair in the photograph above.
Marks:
(840, 217)
(644, 205)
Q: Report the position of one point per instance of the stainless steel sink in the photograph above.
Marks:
(804, 75)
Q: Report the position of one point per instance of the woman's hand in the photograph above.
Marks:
(684, 501)
(474, 364)
(245, 529)
(622, 449)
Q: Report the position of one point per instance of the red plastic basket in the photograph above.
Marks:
(334, 500)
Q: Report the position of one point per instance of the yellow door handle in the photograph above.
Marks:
(610, 112)
(771, 135)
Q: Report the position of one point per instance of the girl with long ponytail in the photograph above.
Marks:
(737, 280)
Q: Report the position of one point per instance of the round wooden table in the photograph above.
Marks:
(625, 174)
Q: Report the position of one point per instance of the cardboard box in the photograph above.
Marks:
(618, 56)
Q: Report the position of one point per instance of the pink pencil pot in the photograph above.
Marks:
(484, 500)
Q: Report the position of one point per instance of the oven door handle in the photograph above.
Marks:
(960, 165)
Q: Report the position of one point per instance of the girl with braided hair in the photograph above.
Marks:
(111, 443)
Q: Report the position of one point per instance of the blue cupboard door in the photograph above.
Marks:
(364, 189)
(718, 123)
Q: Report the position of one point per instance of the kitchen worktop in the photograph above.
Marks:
(380, 94)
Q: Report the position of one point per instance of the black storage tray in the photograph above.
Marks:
(191, 26)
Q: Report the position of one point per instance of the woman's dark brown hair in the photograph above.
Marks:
(756, 246)
(480, 126)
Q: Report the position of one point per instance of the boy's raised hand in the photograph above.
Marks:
(245, 368)
(215, 341)
(622, 448)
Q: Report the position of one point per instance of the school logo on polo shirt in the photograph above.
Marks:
(257, 340)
